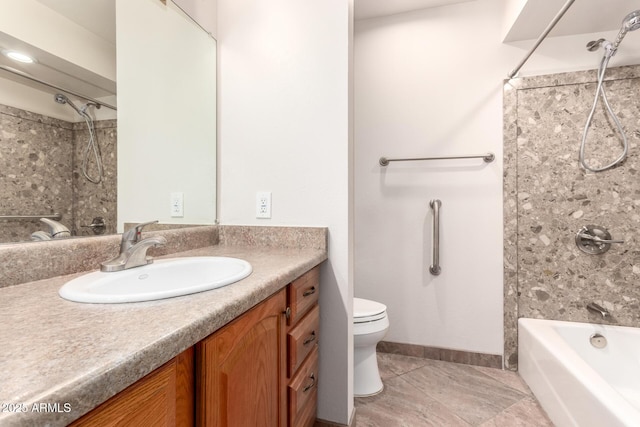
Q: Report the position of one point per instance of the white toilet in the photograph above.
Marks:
(370, 325)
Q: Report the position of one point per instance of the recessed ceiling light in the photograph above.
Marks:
(19, 56)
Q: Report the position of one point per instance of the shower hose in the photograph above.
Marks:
(601, 92)
(91, 149)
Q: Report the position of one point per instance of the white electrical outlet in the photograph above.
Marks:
(263, 204)
(177, 205)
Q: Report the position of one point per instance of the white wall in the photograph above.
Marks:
(166, 114)
(284, 128)
(429, 83)
(204, 12)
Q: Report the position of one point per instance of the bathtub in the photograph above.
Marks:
(576, 383)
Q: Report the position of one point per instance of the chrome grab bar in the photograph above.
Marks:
(435, 267)
(53, 216)
(488, 158)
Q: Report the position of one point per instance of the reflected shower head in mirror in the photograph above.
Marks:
(62, 99)
(92, 149)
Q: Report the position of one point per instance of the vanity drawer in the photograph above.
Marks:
(303, 338)
(303, 294)
(303, 392)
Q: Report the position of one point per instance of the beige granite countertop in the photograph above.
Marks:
(75, 356)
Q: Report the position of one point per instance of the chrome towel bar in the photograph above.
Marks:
(488, 158)
(53, 216)
(435, 267)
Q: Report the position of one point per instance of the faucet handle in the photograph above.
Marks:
(132, 235)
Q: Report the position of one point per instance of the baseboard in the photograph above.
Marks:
(323, 423)
(445, 354)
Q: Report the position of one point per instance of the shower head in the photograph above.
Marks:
(62, 99)
(631, 22)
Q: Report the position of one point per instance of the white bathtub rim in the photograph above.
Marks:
(577, 367)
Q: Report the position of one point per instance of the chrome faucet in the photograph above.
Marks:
(595, 308)
(133, 249)
(56, 230)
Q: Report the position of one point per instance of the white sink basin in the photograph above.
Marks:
(164, 278)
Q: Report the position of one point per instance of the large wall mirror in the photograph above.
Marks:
(74, 148)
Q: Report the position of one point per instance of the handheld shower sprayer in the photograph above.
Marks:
(631, 22)
(92, 149)
(62, 99)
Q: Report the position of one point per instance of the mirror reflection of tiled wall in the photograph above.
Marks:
(40, 160)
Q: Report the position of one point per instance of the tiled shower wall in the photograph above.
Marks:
(548, 197)
(39, 173)
(95, 200)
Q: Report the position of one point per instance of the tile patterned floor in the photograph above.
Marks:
(424, 392)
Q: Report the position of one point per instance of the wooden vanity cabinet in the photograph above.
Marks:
(165, 397)
(302, 348)
(240, 370)
(260, 370)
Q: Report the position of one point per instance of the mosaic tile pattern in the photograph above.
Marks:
(39, 173)
(549, 197)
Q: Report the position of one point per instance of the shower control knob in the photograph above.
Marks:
(594, 240)
(97, 225)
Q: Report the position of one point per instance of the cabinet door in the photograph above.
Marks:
(162, 398)
(241, 370)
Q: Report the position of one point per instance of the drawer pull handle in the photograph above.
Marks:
(311, 338)
(313, 382)
(309, 291)
(287, 313)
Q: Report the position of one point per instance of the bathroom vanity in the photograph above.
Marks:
(222, 357)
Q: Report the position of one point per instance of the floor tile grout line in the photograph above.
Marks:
(527, 393)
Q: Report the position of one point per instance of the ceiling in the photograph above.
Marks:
(584, 16)
(530, 17)
(365, 9)
(97, 16)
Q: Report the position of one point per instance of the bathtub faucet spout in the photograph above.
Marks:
(592, 306)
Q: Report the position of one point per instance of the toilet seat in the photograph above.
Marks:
(365, 310)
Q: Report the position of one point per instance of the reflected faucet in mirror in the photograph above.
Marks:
(56, 231)
(133, 249)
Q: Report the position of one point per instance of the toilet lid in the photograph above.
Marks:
(365, 310)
